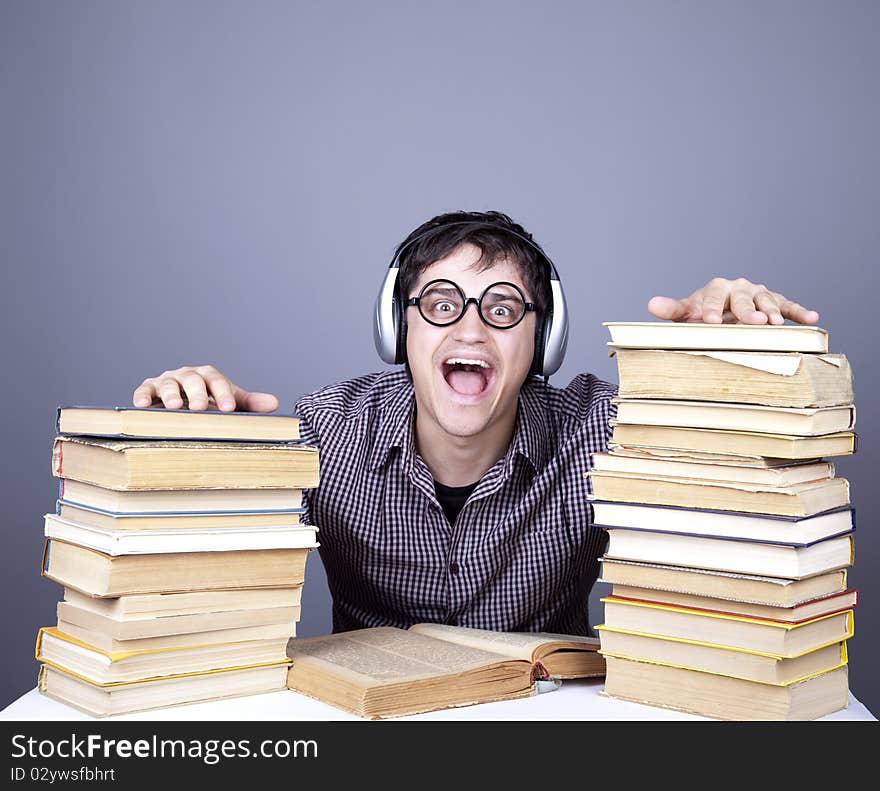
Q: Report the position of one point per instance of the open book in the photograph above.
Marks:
(389, 672)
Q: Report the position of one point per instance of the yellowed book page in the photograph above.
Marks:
(519, 645)
(386, 655)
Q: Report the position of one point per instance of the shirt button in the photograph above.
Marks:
(453, 568)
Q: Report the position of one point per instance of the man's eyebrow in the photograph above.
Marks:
(442, 290)
(500, 296)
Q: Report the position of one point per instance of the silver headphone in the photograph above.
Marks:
(551, 334)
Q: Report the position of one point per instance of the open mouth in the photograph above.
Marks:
(468, 376)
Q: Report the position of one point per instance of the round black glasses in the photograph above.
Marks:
(442, 302)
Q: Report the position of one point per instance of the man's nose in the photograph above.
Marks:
(471, 325)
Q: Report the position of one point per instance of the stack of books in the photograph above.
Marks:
(730, 535)
(177, 536)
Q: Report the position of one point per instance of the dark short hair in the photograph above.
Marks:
(487, 231)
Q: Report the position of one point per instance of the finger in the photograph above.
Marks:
(794, 311)
(714, 301)
(669, 308)
(254, 402)
(144, 394)
(221, 389)
(742, 305)
(169, 391)
(196, 391)
(765, 302)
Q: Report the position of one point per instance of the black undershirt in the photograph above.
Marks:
(453, 498)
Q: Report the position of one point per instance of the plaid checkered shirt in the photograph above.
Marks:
(522, 554)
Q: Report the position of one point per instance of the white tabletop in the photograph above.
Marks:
(574, 700)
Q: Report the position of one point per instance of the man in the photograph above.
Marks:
(453, 491)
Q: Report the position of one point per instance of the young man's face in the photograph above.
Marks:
(466, 400)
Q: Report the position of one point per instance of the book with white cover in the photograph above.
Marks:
(147, 502)
(137, 542)
(733, 337)
(740, 525)
(727, 554)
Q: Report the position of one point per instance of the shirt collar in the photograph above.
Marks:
(530, 436)
(395, 428)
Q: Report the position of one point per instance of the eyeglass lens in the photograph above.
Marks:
(501, 304)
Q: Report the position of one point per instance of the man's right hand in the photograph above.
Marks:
(202, 386)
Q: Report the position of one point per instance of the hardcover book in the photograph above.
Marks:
(727, 554)
(761, 590)
(164, 423)
(762, 636)
(177, 464)
(180, 540)
(798, 499)
(722, 697)
(723, 661)
(738, 443)
(709, 523)
(99, 574)
(697, 335)
(171, 502)
(104, 668)
(632, 461)
(787, 380)
(735, 417)
(146, 695)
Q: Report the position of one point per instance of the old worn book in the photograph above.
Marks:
(788, 380)
(741, 443)
(159, 605)
(735, 417)
(167, 521)
(709, 658)
(630, 461)
(802, 611)
(178, 503)
(101, 639)
(179, 540)
(797, 499)
(101, 667)
(159, 422)
(99, 574)
(729, 554)
(160, 626)
(745, 633)
(696, 335)
(145, 695)
(701, 457)
(743, 525)
(178, 464)
(771, 591)
(722, 697)
(389, 672)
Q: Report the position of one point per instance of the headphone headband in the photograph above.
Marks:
(553, 275)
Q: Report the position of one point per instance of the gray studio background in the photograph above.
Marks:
(222, 182)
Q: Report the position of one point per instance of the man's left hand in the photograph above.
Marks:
(740, 300)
